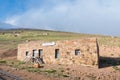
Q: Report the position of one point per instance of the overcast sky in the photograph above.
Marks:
(83, 16)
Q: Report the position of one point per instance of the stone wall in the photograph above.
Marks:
(80, 51)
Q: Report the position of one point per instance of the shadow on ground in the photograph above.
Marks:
(108, 61)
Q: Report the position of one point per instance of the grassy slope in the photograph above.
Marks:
(8, 40)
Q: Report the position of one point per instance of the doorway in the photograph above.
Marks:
(40, 53)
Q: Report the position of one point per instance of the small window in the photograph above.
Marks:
(56, 53)
(27, 53)
(40, 52)
(77, 51)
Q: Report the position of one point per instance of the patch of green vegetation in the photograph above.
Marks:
(65, 75)
(3, 62)
(16, 64)
(50, 71)
(31, 69)
(37, 70)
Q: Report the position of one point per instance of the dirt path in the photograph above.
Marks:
(73, 72)
(25, 75)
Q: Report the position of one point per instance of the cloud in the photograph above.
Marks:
(84, 16)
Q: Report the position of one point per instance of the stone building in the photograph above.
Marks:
(79, 51)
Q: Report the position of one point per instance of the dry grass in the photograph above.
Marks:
(9, 40)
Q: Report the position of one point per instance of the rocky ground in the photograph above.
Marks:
(109, 68)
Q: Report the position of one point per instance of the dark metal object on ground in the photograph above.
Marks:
(7, 74)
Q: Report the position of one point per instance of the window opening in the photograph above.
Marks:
(27, 53)
(77, 51)
(56, 53)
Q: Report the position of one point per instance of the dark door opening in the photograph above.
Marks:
(40, 53)
(34, 55)
(56, 53)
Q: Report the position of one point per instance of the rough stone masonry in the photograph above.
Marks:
(78, 51)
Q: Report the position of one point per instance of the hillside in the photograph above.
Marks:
(109, 56)
(10, 38)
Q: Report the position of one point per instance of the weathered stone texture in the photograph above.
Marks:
(87, 48)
